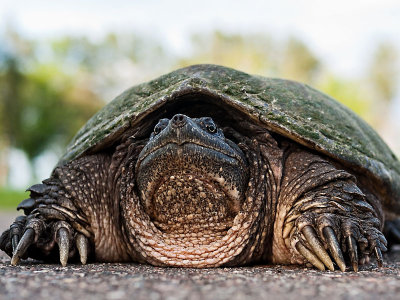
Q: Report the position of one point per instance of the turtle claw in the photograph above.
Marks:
(334, 247)
(39, 239)
(309, 255)
(331, 239)
(16, 230)
(316, 245)
(378, 255)
(23, 245)
(352, 246)
(82, 245)
(63, 245)
(14, 242)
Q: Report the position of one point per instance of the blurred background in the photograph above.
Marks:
(61, 61)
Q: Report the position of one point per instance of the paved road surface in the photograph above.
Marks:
(124, 281)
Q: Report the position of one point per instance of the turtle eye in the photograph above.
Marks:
(211, 128)
(208, 125)
(157, 130)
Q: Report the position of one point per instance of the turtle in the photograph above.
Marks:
(208, 166)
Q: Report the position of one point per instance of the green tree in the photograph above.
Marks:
(255, 53)
(298, 62)
(384, 71)
(11, 80)
(54, 109)
(41, 103)
(250, 53)
(350, 93)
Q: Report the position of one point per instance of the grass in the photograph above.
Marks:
(9, 199)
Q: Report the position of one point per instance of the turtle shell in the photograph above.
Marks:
(289, 108)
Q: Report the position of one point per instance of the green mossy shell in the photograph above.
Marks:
(292, 109)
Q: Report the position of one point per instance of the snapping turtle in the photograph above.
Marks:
(208, 166)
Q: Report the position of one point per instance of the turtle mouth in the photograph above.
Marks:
(189, 147)
(225, 153)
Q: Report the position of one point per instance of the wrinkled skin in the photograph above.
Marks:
(189, 196)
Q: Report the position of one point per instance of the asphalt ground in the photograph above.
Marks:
(33, 280)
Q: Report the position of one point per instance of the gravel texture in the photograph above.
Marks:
(32, 280)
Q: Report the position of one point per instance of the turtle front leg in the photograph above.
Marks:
(73, 214)
(325, 218)
(51, 221)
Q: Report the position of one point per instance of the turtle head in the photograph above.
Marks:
(190, 178)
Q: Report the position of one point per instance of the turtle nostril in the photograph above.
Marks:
(178, 120)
